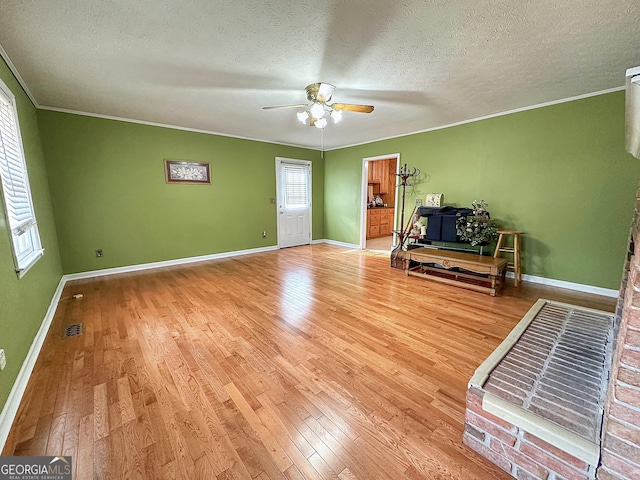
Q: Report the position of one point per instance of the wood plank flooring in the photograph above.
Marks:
(313, 362)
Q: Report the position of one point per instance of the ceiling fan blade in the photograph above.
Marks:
(300, 105)
(351, 107)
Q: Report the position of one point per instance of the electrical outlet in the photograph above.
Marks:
(99, 252)
(264, 234)
(418, 202)
(3, 360)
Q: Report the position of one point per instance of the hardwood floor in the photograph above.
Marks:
(311, 362)
(384, 244)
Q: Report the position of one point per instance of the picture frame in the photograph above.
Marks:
(434, 200)
(184, 171)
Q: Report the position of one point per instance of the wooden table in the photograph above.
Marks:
(475, 272)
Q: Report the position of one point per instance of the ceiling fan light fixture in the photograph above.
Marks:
(321, 123)
(303, 116)
(317, 110)
(316, 113)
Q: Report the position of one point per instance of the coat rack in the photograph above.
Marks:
(405, 174)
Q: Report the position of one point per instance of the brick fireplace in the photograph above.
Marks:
(534, 407)
(603, 444)
(620, 455)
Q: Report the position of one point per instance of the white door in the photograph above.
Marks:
(293, 185)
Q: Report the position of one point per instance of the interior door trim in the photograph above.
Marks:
(309, 163)
(363, 197)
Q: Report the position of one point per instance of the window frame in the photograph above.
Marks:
(23, 260)
(287, 194)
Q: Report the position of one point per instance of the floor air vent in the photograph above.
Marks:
(72, 330)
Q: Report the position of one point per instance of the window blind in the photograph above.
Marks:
(296, 188)
(15, 188)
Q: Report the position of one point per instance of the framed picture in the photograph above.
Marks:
(434, 200)
(180, 171)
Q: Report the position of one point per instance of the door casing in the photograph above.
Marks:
(280, 198)
(363, 197)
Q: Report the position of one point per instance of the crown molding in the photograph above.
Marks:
(14, 70)
(493, 115)
(166, 125)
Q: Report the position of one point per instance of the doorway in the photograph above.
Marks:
(379, 199)
(293, 191)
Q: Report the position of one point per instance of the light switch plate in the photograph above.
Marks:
(418, 202)
(3, 360)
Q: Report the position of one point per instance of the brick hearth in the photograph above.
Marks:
(534, 408)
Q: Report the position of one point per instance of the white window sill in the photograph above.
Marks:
(31, 261)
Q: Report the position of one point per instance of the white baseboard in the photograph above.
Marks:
(165, 263)
(606, 292)
(15, 396)
(336, 243)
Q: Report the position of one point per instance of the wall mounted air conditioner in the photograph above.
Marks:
(633, 111)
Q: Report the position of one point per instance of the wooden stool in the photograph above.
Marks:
(515, 250)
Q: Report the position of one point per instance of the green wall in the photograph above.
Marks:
(559, 173)
(24, 302)
(109, 192)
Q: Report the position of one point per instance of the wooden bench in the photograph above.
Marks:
(475, 272)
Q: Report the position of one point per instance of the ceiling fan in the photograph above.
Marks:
(319, 96)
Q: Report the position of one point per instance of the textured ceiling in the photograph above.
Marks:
(211, 66)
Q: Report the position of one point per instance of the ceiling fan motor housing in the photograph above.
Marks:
(320, 92)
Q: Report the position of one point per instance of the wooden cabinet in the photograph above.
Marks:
(384, 176)
(379, 174)
(375, 171)
(373, 223)
(379, 222)
(385, 228)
